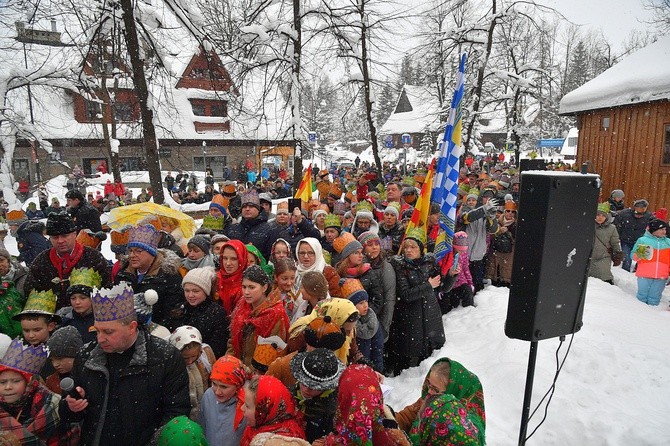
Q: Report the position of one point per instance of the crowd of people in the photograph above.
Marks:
(277, 322)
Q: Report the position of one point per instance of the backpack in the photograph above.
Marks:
(503, 242)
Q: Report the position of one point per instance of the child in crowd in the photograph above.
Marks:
(221, 413)
(256, 258)
(313, 289)
(28, 410)
(463, 289)
(198, 255)
(317, 372)
(652, 253)
(199, 358)
(284, 279)
(280, 250)
(63, 347)
(144, 308)
(369, 337)
(80, 312)
(269, 407)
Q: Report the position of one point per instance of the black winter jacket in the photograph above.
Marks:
(164, 278)
(630, 227)
(212, 320)
(85, 216)
(30, 241)
(417, 327)
(293, 235)
(256, 231)
(151, 390)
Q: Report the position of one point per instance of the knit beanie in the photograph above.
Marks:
(339, 208)
(656, 224)
(4, 253)
(315, 284)
(460, 242)
(393, 208)
(617, 193)
(144, 303)
(201, 242)
(353, 290)
(65, 342)
(367, 236)
(471, 197)
(346, 244)
(641, 203)
(200, 277)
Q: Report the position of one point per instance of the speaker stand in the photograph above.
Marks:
(530, 375)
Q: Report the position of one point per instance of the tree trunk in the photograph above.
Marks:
(365, 71)
(477, 95)
(107, 120)
(149, 140)
(295, 95)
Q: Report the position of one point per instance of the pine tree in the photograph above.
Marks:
(427, 146)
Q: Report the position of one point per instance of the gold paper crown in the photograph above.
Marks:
(395, 205)
(417, 234)
(215, 223)
(25, 358)
(119, 238)
(283, 206)
(144, 237)
(15, 215)
(112, 304)
(350, 287)
(39, 302)
(263, 356)
(332, 221)
(88, 239)
(85, 276)
(335, 191)
(364, 206)
(408, 181)
(343, 240)
(152, 220)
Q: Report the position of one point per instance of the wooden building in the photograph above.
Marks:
(623, 116)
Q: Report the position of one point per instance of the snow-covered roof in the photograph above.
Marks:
(641, 77)
(425, 112)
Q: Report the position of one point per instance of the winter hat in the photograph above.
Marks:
(661, 214)
(4, 253)
(39, 303)
(75, 194)
(60, 223)
(144, 303)
(460, 242)
(642, 203)
(145, 237)
(393, 208)
(251, 197)
(113, 304)
(16, 217)
(332, 221)
(26, 359)
(65, 342)
(487, 193)
(184, 335)
(91, 239)
(201, 277)
(201, 242)
(345, 244)
(471, 197)
(353, 290)
(319, 369)
(218, 238)
(339, 208)
(656, 224)
(617, 193)
(83, 280)
(315, 283)
(267, 350)
(317, 213)
(265, 197)
(181, 431)
(603, 208)
(219, 203)
(367, 236)
(256, 274)
(323, 332)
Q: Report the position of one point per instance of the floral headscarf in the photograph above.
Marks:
(360, 408)
(230, 370)
(230, 285)
(180, 431)
(466, 389)
(445, 421)
(275, 411)
(268, 268)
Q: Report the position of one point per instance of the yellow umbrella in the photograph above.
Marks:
(134, 213)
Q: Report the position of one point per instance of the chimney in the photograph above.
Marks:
(53, 25)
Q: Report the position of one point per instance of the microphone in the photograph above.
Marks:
(68, 388)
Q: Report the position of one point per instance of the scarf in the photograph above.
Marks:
(264, 318)
(10, 274)
(445, 421)
(207, 260)
(367, 325)
(275, 411)
(465, 397)
(230, 370)
(360, 410)
(230, 285)
(319, 263)
(357, 271)
(65, 263)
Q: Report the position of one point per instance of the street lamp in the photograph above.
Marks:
(204, 154)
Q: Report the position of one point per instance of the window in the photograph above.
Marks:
(605, 123)
(204, 107)
(217, 164)
(219, 109)
(198, 109)
(127, 163)
(123, 112)
(666, 144)
(92, 111)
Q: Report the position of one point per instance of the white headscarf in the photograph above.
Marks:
(319, 262)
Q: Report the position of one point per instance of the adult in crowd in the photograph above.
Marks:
(631, 224)
(51, 269)
(616, 201)
(232, 263)
(310, 258)
(417, 327)
(130, 383)
(30, 241)
(254, 227)
(148, 268)
(12, 271)
(391, 230)
(298, 228)
(84, 215)
(606, 246)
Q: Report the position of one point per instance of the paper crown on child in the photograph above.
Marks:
(113, 304)
(145, 237)
(332, 221)
(417, 234)
(39, 302)
(24, 358)
(83, 280)
(364, 206)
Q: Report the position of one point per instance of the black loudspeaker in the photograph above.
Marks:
(532, 164)
(554, 237)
